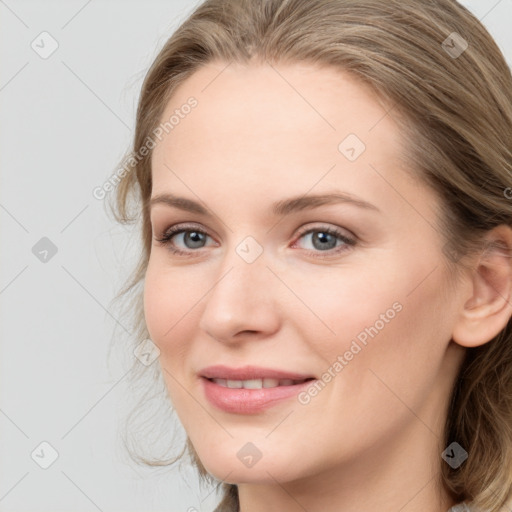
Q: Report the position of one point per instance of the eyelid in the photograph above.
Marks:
(325, 226)
(302, 230)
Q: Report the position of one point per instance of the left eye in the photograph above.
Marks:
(325, 239)
(322, 239)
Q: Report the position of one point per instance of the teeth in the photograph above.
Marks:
(251, 384)
(256, 383)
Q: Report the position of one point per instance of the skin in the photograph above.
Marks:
(372, 438)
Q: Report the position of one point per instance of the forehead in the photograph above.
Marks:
(251, 99)
(261, 127)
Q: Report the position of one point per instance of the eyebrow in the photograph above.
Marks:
(279, 208)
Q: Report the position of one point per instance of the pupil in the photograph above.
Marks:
(193, 237)
(323, 238)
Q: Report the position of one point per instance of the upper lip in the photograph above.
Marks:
(249, 373)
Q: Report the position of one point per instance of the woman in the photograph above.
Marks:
(326, 252)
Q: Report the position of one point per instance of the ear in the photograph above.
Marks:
(488, 308)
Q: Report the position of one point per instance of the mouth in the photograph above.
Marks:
(251, 389)
(258, 383)
(252, 377)
(250, 396)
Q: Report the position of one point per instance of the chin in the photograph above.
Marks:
(231, 466)
(234, 474)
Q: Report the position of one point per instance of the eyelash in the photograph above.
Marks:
(171, 232)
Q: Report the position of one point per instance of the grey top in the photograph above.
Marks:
(461, 507)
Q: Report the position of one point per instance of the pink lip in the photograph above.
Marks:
(248, 401)
(249, 372)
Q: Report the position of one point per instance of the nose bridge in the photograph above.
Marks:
(242, 274)
(240, 298)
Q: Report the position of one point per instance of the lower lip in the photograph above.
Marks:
(249, 401)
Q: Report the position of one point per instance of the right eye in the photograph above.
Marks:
(192, 237)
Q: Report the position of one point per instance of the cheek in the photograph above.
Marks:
(391, 317)
(169, 299)
(157, 298)
(345, 301)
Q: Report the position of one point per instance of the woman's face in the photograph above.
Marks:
(351, 293)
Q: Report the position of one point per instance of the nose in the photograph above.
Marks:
(242, 302)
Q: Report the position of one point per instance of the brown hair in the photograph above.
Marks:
(454, 105)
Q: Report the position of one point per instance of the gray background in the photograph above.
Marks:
(66, 122)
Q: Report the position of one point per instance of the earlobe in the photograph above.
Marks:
(489, 307)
